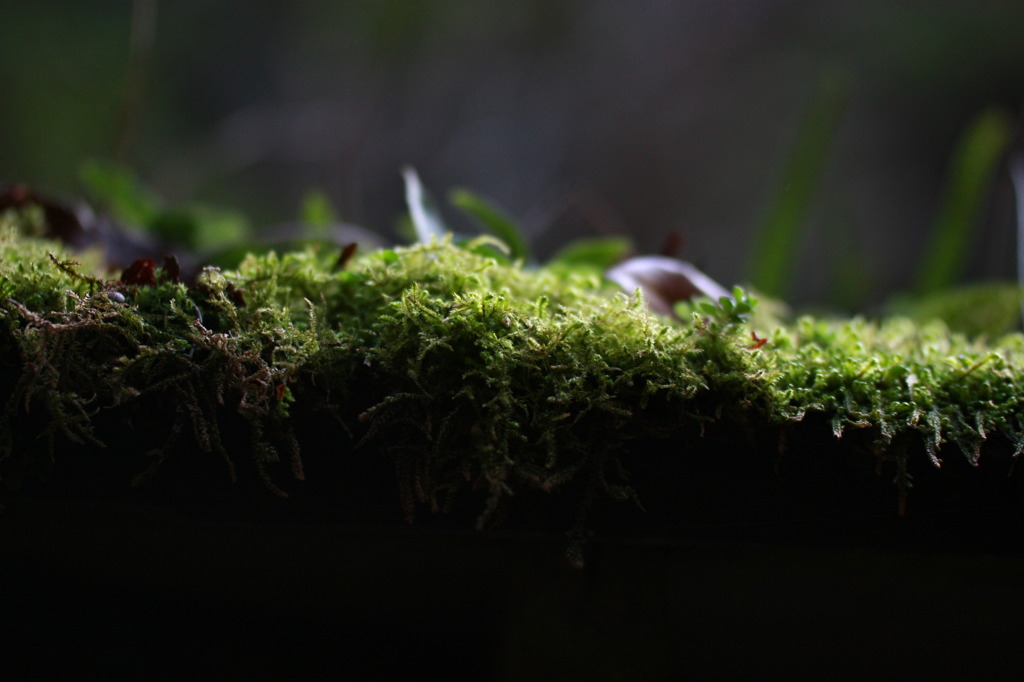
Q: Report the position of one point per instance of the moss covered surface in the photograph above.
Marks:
(474, 384)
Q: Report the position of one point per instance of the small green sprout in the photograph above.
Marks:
(733, 310)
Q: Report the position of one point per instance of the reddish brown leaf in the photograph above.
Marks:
(345, 256)
(140, 273)
(172, 269)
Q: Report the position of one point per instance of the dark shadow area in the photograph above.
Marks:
(740, 564)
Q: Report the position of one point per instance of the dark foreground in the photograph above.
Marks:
(739, 566)
(125, 592)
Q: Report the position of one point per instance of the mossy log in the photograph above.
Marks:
(489, 389)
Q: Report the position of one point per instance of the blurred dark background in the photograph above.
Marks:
(711, 121)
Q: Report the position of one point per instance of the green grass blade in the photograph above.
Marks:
(971, 172)
(121, 192)
(317, 212)
(776, 245)
(598, 253)
(493, 221)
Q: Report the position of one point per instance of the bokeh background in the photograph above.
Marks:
(833, 123)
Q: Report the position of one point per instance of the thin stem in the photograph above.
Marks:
(140, 49)
(1017, 174)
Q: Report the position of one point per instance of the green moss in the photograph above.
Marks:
(463, 372)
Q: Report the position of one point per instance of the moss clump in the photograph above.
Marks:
(461, 372)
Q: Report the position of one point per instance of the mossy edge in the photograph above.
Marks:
(463, 372)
